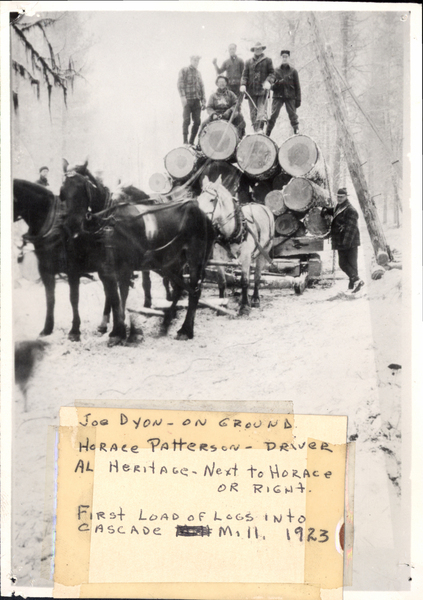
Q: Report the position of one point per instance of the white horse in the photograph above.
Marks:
(245, 233)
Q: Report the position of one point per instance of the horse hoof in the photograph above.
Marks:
(244, 311)
(135, 339)
(74, 337)
(102, 329)
(114, 341)
(45, 332)
(183, 335)
(255, 303)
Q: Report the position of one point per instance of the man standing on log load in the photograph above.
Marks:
(286, 90)
(256, 82)
(193, 97)
(222, 104)
(346, 237)
(234, 67)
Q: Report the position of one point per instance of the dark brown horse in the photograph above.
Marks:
(123, 238)
(51, 234)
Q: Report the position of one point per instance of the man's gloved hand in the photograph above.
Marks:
(214, 117)
(214, 61)
(297, 103)
(184, 102)
(203, 105)
(243, 89)
(267, 85)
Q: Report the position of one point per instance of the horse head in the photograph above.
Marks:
(32, 203)
(215, 200)
(83, 194)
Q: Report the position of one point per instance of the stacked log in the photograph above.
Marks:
(291, 180)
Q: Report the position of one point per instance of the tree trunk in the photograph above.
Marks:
(377, 236)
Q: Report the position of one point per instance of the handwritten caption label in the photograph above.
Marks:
(206, 497)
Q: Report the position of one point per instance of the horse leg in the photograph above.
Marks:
(49, 282)
(221, 282)
(102, 328)
(74, 334)
(146, 285)
(118, 333)
(245, 285)
(255, 300)
(170, 312)
(166, 283)
(196, 272)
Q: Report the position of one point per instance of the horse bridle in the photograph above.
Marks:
(240, 231)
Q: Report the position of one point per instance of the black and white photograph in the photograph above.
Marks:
(209, 206)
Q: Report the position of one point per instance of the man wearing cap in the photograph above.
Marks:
(193, 97)
(222, 104)
(43, 177)
(286, 90)
(255, 81)
(346, 237)
(233, 67)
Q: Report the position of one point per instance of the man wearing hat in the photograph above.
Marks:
(193, 97)
(43, 177)
(222, 104)
(256, 82)
(286, 90)
(233, 67)
(346, 237)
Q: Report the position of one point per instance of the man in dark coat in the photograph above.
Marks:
(43, 177)
(346, 237)
(256, 82)
(193, 97)
(222, 104)
(286, 90)
(234, 67)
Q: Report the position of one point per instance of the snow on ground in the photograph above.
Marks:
(326, 351)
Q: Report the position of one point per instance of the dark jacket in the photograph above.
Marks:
(344, 228)
(286, 84)
(234, 67)
(256, 72)
(220, 102)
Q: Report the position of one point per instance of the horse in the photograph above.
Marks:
(51, 236)
(162, 238)
(245, 233)
(132, 195)
(41, 211)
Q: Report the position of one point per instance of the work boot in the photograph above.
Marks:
(351, 284)
(357, 286)
(296, 129)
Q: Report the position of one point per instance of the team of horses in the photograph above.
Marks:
(88, 230)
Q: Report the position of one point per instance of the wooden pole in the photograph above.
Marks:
(377, 237)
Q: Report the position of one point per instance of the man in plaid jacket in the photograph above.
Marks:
(346, 237)
(193, 97)
(256, 82)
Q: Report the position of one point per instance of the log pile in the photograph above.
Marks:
(291, 179)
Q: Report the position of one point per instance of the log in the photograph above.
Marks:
(280, 180)
(286, 224)
(336, 101)
(260, 190)
(160, 183)
(257, 156)
(274, 200)
(182, 162)
(231, 175)
(283, 246)
(300, 195)
(300, 156)
(219, 140)
(315, 223)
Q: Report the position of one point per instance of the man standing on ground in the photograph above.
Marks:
(256, 82)
(43, 177)
(286, 90)
(234, 67)
(193, 97)
(346, 237)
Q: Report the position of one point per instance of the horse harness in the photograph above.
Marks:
(240, 231)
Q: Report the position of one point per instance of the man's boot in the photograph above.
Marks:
(296, 129)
